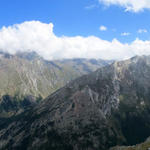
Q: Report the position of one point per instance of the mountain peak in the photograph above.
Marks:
(31, 55)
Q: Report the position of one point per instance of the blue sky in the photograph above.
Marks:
(75, 17)
(82, 28)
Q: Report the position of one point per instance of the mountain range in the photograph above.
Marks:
(27, 73)
(26, 78)
(103, 109)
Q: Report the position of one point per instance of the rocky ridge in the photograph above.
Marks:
(106, 108)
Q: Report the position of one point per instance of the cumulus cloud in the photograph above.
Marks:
(142, 31)
(129, 5)
(103, 28)
(125, 34)
(39, 37)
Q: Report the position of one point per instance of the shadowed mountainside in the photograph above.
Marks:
(106, 108)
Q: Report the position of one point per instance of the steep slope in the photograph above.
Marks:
(10, 106)
(25, 74)
(97, 111)
(143, 146)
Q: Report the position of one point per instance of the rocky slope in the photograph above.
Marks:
(143, 146)
(106, 108)
(26, 74)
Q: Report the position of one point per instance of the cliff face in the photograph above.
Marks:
(97, 111)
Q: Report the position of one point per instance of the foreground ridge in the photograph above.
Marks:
(106, 108)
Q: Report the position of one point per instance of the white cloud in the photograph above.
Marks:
(40, 37)
(129, 5)
(125, 34)
(142, 31)
(103, 28)
(89, 7)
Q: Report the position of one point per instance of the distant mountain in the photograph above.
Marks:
(108, 107)
(27, 73)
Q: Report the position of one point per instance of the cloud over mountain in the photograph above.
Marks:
(39, 37)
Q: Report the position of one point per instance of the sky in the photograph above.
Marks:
(56, 29)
